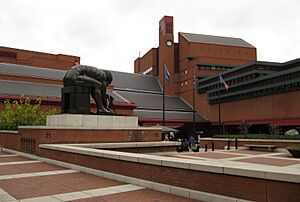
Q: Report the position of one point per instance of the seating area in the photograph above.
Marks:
(260, 147)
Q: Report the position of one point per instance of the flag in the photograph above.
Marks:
(167, 73)
(223, 82)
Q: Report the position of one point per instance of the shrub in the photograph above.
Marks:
(22, 113)
(294, 147)
(294, 150)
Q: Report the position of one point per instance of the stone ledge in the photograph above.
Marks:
(9, 131)
(86, 128)
(127, 145)
(190, 164)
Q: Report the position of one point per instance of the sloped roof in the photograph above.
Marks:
(138, 82)
(202, 38)
(31, 71)
(154, 101)
(120, 79)
(29, 89)
(16, 88)
(145, 91)
(171, 115)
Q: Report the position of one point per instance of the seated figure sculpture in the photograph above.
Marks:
(96, 79)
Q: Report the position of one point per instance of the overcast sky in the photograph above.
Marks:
(109, 34)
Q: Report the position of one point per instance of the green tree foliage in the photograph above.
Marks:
(23, 113)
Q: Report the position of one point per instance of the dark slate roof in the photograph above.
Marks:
(154, 101)
(120, 79)
(135, 81)
(29, 89)
(173, 115)
(16, 88)
(31, 71)
(201, 38)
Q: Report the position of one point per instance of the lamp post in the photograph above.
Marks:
(190, 58)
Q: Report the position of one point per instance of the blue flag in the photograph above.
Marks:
(167, 73)
(223, 82)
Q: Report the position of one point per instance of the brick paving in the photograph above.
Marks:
(68, 186)
(246, 156)
(247, 152)
(13, 159)
(27, 168)
(269, 161)
(54, 184)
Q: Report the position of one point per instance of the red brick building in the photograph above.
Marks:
(204, 57)
(260, 93)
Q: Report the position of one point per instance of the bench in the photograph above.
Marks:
(260, 146)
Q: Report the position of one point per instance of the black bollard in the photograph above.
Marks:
(236, 145)
(228, 145)
(205, 148)
(212, 146)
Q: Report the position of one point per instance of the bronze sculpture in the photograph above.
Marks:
(95, 80)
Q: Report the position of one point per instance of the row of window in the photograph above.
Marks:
(240, 71)
(231, 82)
(207, 67)
(265, 82)
(263, 92)
(224, 51)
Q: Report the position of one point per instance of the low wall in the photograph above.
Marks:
(236, 182)
(10, 139)
(220, 143)
(28, 139)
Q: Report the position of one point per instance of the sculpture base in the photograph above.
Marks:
(92, 121)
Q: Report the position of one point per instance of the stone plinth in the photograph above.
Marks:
(92, 121)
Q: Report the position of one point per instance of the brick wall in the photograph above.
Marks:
(228, 185)
(11, 140)
(51, 136)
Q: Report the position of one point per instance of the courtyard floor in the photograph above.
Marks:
(28, 180)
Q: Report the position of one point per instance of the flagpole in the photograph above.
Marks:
(164, 94)
(220, 127)
(194, 115)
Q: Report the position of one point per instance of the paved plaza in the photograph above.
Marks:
(27, 180)
(30, 180)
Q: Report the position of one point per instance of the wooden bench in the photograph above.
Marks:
(260, 146)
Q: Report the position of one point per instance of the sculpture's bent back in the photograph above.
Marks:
(80, 82)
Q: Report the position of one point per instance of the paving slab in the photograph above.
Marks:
(31, 187)
(144, 195)
(28, 168)
(269, 161)
(14, 159)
